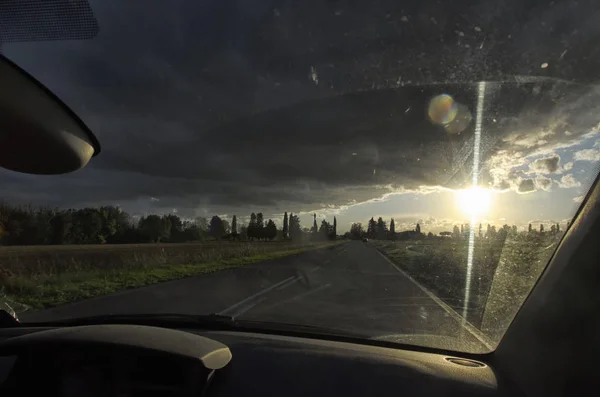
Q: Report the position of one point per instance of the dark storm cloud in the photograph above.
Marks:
(526, 186)
(280, 105)
(547, 165)
(543, 183)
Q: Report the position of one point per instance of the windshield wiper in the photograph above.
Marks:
(162, 319)
(217, 322)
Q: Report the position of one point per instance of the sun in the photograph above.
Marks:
(475, 201)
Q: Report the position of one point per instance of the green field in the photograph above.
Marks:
(502, 273)
(46, 276)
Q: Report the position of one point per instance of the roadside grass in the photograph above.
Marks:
(502, 273)
(51, 283)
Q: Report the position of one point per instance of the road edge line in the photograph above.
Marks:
(459, 319)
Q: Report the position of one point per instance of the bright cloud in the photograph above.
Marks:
(568, 181)
(587, 155)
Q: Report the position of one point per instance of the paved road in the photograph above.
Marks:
(350, 287)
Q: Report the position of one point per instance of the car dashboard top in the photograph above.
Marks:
(132, 360)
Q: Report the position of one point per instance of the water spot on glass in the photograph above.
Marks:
(276, 12)
(563, 54)
(544, 65)
(354, 154)
(458, 32)
(313, 75)
(404, 18)
(477, 29)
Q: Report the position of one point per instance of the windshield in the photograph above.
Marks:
(397, 170)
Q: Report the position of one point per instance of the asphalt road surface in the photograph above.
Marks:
(350, 287)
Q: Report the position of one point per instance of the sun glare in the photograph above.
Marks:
(475, 201)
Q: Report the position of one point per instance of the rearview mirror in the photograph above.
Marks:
(39, 134)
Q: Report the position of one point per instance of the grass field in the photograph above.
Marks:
(502, 273)
(46, 276)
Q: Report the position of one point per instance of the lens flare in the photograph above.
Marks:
(442, 109)
(461, 121)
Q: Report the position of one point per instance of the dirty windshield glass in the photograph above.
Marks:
(402, 171)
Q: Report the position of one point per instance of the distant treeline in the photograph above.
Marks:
(379, 230)
(29, 225)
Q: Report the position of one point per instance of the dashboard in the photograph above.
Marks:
(71, 372)
(163, 362)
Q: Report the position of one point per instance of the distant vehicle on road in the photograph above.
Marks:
(365, 240)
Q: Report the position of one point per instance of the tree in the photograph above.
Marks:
(295, 228)
(314, 223)
(430, 235)
(557, 228)
(530, 228)
(392, 227)
(480, 230)
(217, 227)
(456, 232)
(87, 227)
(324, 230)
(270, 230)
(371, 228)
(418, 229)
(201, 223)
(251, 231)
(154, 228)
(514, 231)
(234, 226)
(285, 226)
(334, 233)
(176, 227)
(243, 232)
(356, 231)
(503, 233)
(381, 229)
(191, 232)
(260, 226)
(116, 224)
(61, 226)
(541, 228)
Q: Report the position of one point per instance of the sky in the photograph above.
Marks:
(231, 107)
